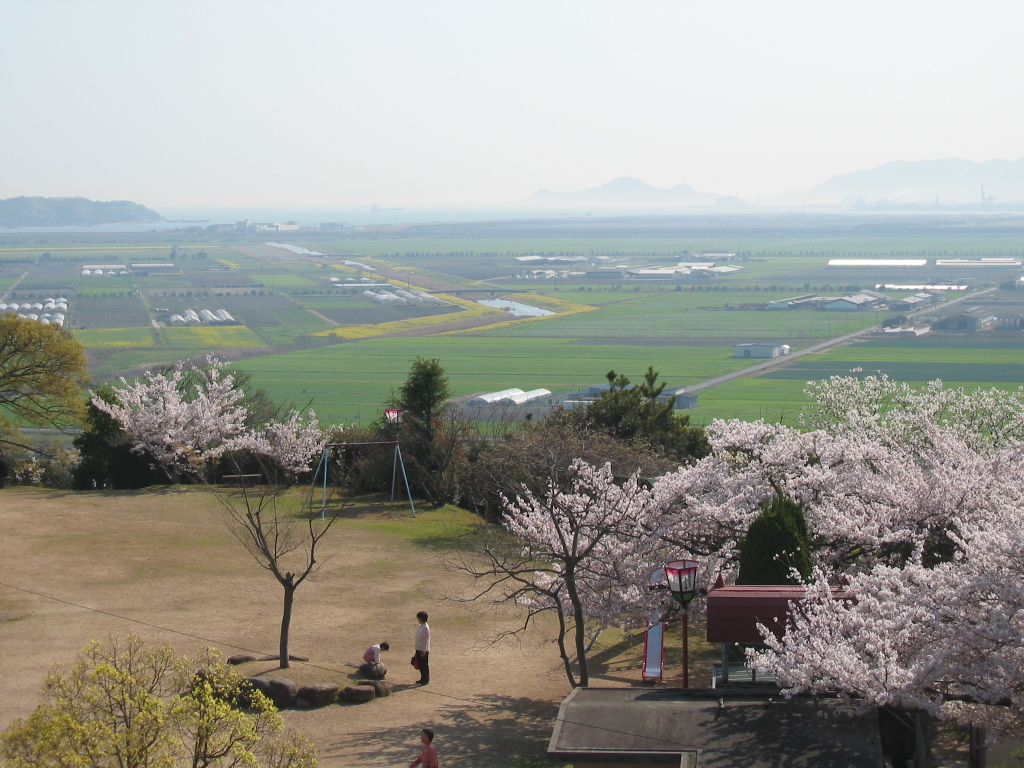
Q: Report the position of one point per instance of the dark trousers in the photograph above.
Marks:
(424, 657)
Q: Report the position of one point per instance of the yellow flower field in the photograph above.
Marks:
(115, 338)
(212, 337)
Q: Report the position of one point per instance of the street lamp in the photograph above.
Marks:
(682, 581)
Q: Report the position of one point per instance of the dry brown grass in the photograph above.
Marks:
(160, 564)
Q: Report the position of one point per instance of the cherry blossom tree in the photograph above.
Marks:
(191, 417)
(912, 498)
(184, 418)
(580, 552)
(947, 639)
(291, 443)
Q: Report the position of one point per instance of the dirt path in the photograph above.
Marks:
(15, 285)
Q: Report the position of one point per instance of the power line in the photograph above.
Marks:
(420, 689)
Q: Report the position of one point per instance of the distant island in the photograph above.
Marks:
(72, 212)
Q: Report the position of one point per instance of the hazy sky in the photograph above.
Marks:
(329, 103)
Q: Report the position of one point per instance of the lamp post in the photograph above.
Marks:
(682, 581)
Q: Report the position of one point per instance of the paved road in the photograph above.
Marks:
(815, 348)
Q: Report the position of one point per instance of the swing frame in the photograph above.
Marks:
(396, 463)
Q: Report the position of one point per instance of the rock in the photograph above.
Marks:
(241, 658)
(373, 670)
(381, 688)
(282, 692)
(319, 694)
(358, 694)
(261, 684)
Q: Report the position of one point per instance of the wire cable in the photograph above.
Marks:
(420, 689)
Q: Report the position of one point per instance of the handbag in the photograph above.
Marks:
(415, 662)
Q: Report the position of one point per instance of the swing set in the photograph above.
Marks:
(323, 468)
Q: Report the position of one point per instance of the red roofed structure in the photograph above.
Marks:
(734, 612)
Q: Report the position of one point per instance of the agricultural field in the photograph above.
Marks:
(211, 337)
(305, 338)
(116, 338)
(995, 361)
(349, 381)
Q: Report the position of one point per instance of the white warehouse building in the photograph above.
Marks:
(761, 349)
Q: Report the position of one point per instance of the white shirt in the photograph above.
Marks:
(423, 638)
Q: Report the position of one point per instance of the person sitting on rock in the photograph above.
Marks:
(372, 654)
(371, 667)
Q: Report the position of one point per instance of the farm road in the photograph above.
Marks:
(15, 285)
(812, 350)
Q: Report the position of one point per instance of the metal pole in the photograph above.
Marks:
(406, 478)
(323, 504)
(686, 649)
(394, 475)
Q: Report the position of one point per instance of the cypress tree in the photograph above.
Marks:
(775, 544)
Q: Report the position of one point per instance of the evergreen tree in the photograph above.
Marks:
(776, 543)
(628, 412)
(433, 439)
(107, 459)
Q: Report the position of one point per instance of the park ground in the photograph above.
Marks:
(161, 564)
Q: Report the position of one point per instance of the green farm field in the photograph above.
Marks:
(684, 315)
(212, 337)
(958, 362)
(349, 380)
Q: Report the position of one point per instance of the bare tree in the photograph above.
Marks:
(195, 422)
(282, 540)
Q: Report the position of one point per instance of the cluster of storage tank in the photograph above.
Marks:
(203, 317)
(114, 272)
(514, 396)
(49, 311)
(401, 296)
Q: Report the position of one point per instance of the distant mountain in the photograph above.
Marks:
(71, 211)
(625, 192)
(952, 181)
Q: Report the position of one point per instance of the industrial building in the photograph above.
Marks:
(766, 350)
(975, 319)
(513, 396)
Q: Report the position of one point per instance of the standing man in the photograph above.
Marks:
(428, 757)
(423, 648)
